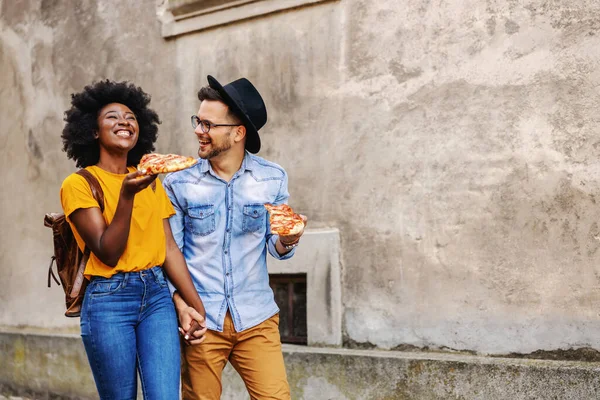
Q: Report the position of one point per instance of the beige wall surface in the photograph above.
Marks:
(48, 50)
(454, 144)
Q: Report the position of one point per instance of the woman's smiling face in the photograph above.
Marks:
(118, 127)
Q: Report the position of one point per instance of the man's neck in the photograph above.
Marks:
(225, 165)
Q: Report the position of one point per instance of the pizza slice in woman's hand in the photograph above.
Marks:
(154, 163)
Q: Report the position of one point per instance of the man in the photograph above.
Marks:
(222, 228)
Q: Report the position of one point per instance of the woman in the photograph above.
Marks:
(128, 320)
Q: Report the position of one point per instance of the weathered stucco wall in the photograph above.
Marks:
(453, 143)
(471, 126)
(48, 50)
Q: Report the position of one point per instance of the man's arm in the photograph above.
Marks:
(276, 244)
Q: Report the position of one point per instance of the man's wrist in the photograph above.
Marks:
(288, 245)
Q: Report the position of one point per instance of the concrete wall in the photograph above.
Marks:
(44, 367)
(452, 143)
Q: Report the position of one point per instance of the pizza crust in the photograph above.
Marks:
(154, 163)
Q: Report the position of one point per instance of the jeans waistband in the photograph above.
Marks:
(155, 272)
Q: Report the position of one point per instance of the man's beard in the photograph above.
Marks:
(217, 150)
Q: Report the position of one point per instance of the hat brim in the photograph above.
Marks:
(252, 137)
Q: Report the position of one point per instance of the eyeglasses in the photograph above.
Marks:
(206, 125)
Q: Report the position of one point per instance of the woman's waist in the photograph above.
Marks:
(139, 272)
(95, 267)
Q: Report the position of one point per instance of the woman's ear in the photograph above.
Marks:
(96, 135)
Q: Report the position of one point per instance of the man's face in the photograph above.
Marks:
(219, 139)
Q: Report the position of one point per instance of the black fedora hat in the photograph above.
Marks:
(247, 104)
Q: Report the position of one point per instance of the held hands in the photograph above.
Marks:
(192, 325)
(135, 182)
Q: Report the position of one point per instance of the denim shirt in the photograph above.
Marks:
(222, 229)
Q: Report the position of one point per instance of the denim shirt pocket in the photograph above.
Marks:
(200, 220)
(254, 218)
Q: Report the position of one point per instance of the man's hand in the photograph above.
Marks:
(291, 239)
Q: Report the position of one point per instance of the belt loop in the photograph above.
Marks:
(155, 273)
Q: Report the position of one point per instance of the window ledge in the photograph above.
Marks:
(184, 16)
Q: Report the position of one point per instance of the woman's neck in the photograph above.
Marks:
(116, 164)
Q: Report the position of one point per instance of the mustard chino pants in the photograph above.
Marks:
(254, 353)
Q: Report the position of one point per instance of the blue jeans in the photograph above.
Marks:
(128, 324)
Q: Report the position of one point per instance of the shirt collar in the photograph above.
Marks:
(248, 162)
(204, 166)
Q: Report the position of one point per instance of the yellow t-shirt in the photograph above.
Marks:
(146, 244)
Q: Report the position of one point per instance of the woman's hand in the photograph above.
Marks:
(135, 182)
(191, 325)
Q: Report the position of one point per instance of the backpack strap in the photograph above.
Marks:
(97, 191)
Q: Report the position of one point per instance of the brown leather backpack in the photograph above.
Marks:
(70, 260)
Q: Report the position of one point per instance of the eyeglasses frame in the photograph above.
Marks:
(197, 121)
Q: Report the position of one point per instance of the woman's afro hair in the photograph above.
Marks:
(78, 135)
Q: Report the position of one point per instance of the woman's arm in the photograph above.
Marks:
(108, 242)
(178, 273)
(187, 301)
